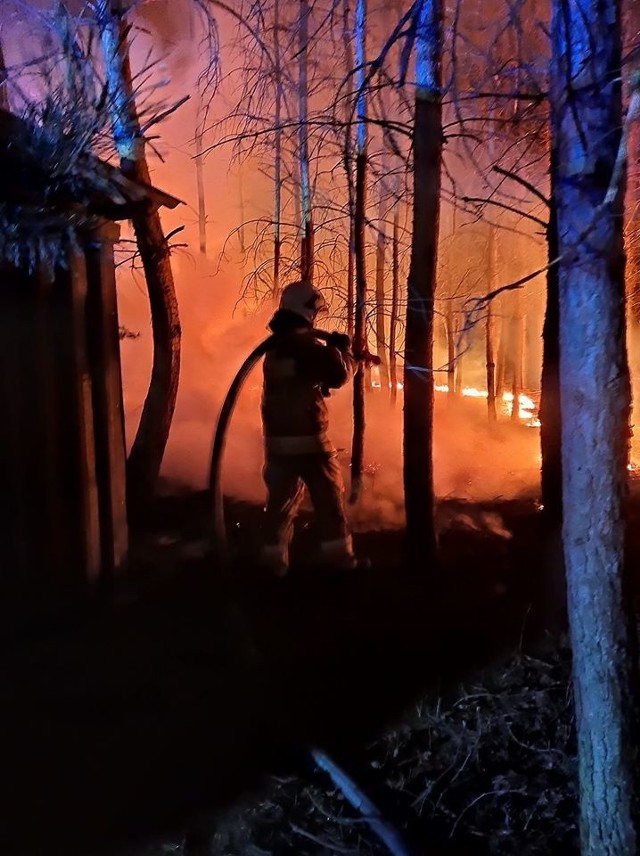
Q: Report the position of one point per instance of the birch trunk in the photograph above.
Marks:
(595, 401)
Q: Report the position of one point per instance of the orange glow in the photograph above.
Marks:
(526, 408)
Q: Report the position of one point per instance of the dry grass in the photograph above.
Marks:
(488, 770)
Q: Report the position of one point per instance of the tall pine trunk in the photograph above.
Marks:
(202, 205)
(306, 224)
(451, 350)
(395, 298)
(418, 368)
(360, 335)
(145, 458)
(550, 411)
(277, 177)
(517, 355)
(4, 93)
(347, 163)
(381, 339)
(595, 399)
(490, 359)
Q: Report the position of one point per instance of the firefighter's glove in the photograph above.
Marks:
(340, 341)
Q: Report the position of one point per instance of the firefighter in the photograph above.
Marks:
(299, 371)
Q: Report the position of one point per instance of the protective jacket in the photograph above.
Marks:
(298, 372)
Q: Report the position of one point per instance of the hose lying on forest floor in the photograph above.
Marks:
(352, 791)
(219, 533)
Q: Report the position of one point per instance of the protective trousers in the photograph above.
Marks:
(286, 477)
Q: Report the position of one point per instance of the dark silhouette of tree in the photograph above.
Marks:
(418, 368)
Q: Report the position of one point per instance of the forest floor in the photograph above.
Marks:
(179, 719)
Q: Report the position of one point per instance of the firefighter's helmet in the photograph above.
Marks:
(303, 299)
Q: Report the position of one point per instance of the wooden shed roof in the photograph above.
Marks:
(101, 187)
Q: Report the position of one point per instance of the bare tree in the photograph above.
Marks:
(145, 458)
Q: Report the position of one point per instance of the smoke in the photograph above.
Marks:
(470, 462)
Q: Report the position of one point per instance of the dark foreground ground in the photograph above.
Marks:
(137, 723)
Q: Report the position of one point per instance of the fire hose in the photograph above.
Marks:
(219, 534)
(386, 831)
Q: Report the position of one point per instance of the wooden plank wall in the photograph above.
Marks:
(104, 355)
(62, 452)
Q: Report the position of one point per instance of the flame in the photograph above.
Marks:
(375, 380)
(526, 405)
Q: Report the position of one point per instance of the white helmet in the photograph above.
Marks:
(303, 299)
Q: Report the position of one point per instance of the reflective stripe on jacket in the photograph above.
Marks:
(294, 411)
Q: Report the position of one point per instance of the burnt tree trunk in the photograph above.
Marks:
(418, 368)
(595, 400)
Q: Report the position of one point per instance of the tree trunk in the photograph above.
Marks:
(277, 179)
(306, 225)
(360, 335)
(595, 400)
(395, 295)
(458, 373)
(381, 339)
(517, 355)
(500, 362)
(418, 368)
(4, 94)
(351, 280)
(451, 350)
(145, 458)
(490, 361)
(550, 412)
(360, 338)
(347, 160)
(202, 208)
